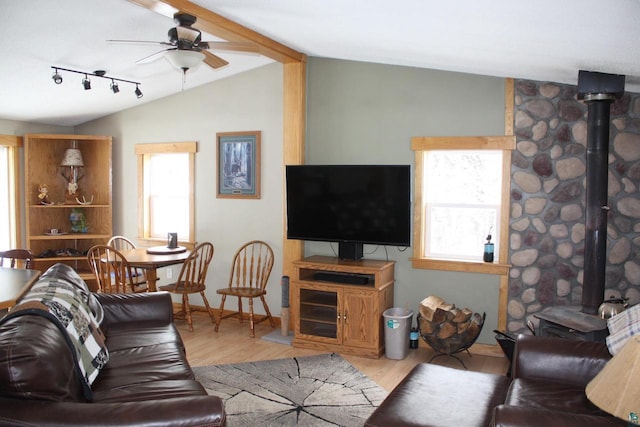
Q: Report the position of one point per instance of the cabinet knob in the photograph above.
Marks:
(345, 316)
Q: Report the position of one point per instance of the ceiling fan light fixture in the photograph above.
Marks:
(138, 92)
(57, 78)
(114, 87)
(184, 59)
(86, 83)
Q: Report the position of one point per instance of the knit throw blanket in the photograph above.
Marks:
(62, 302)
(623, 326)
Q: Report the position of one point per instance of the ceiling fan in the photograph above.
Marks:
(186, 49)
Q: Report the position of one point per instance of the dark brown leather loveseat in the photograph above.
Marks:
(546, 388)
(146, 381)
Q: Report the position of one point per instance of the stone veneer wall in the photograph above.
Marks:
(547, 231)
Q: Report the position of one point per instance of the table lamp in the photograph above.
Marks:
(72, 168)
(616, 388)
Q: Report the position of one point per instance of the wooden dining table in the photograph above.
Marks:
(14, 283)
(151, 261)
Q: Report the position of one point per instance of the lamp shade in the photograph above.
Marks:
(616, 388)
(72, 157)
(184, 59)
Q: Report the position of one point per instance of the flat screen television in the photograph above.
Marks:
(349, 204)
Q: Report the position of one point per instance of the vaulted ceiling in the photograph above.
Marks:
(539, 40)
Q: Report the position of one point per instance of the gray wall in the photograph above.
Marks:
(245, 102)
(14, 127)
(359, 113)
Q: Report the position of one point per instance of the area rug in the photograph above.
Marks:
(323, 390)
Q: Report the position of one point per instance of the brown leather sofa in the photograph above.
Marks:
(546, 388)
(147, 380)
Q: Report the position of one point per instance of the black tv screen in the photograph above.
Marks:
(349, 204)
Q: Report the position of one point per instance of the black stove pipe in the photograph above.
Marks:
(598, 90)
(595, 245)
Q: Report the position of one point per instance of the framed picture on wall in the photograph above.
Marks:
(238, 165)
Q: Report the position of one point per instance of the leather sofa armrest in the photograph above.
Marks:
(123, 308)
(573, 362)
(526, 416)
(183, 411)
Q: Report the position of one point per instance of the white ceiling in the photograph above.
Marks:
(545, 40)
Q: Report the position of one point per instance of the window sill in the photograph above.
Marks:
(461, 266)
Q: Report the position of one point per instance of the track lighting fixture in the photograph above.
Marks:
(86, 82)
(57, 78)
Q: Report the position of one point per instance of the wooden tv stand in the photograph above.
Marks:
(337, 305)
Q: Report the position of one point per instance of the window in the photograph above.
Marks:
(166, 187)
(462, 202)
(9, 218)
(461, 187)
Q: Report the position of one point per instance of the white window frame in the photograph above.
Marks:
(144, 153)
(422, 145)
(12, 144)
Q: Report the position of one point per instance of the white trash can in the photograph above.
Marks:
(397, 325)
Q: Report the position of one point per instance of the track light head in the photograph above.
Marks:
(86, 82)
(57, 78)
(114, 87)
(138, 92)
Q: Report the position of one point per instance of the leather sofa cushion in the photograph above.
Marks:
(432, 395)
(65, 304)
(142, 364)
(553, 396)
(554, 359)
(132, 309)
(147, 361)
(526, 416)
(142, 334)
(27, 368)
(149, 390)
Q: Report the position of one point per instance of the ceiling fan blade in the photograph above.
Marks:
(213, 61)
(230, 46)
(152, 57)
(147, 42)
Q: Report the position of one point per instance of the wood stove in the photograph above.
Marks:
(598, 90)
(570, 322)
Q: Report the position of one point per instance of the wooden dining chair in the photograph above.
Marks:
(121, 243)
(250, 273)
(16, 258)
(191, 280)
(112, 271)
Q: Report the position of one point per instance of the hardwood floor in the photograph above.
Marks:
(233, 344)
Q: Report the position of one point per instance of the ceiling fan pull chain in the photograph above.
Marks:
(184, 77)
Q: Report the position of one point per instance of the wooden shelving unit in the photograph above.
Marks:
(330, 315)
(43, 154)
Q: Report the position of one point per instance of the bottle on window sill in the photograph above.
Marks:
(488, 249)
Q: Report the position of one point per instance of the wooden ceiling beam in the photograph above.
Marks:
(219, 26)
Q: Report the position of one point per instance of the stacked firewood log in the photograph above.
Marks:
(448, 329)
